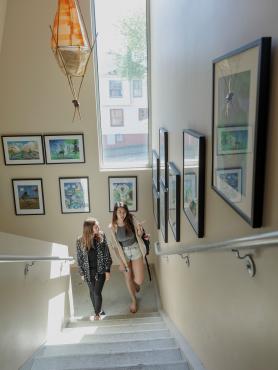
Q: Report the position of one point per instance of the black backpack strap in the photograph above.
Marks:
(148, 267)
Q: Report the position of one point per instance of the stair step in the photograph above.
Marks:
(78, 336)
(126, 316)
(110, 347)
(69, 362)
(112, 321)
(177, 365)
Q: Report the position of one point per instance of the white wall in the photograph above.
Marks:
(35, 98)
(34, 306)
(229, 319)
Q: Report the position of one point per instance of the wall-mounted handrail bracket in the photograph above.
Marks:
(186, 258)
(26, 268)
(249, 262)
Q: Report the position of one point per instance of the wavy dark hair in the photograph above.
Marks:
(88, 233)
(128, 221)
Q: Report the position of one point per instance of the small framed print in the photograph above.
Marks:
(66, 148)
(156, 207)
(239, 122)
(163, 211)
(163, 155)
(123, 189)
(28, 197)
(229, 183)
(174, 200)
(155, 169)
(23, 149)
(194, 179)
(74, 192)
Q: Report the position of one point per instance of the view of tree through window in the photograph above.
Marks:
(122, 81)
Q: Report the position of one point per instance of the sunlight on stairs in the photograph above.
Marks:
(123, 342)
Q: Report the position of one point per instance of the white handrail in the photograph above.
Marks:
(15, 258)
(249, 242)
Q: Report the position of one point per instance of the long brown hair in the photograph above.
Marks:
(88, 233)
(128, 221)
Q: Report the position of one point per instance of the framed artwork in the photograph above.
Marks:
(123, 189)
(174, 196)
(28, 196)
(74, 192)
(194, 179)
(229, 183)
(163, 155)
(156, 207)
(67, 148)
(239, 122)
(155, 169)
(23, 149)
(163, 194)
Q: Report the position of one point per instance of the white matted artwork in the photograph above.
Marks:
(123, 189)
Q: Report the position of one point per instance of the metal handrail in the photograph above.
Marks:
(15, 258)
(250, 242)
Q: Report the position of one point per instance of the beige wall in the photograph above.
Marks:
(35, 98)
(229, 319)
(3, 5)
(35, 306)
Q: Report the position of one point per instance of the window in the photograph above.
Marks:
(115, 89)
(137, 88)
(116, 117)
(142, 114)
(122, 74)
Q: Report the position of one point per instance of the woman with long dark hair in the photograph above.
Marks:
(94, 262)
(130, 249)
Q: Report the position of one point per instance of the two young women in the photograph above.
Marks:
(94, 259)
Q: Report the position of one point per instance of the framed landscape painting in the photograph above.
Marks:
(163, 155)
(74, 192)
(67, 148)
(174, 188)
(28, 197)
(239, 124)
(23, 149)
(194, 179)
(163, 211)
(123, 189)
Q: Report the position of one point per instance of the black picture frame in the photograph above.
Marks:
(163, 156)
(239, 126)
(156, 207)
(28, 197)
(194, 152)
(174, 196)
(67, 148)
(23, 149)
(155, 170)
(123, 189)
(163, 212)
(74, 194)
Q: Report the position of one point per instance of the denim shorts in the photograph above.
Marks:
(132, 252)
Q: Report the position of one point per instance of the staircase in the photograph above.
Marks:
(123, 342)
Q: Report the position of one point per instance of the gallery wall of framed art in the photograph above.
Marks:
(163, 214)
(163, 156)
(240, 109)
(174, 196)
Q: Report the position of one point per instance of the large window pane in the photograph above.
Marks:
(122, 82)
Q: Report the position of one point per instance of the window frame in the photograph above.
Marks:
(122, 123)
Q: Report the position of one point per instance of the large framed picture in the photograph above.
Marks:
(163, 155)
(194, 179)
(240, 101)
(61, 148)
(123, 189)
(163, 194)
(155, 170)
(74, 192)
(156, 207)
(23, 149)
(174, 188)
(28, 197)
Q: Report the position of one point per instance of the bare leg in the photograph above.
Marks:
(130, 287)
(138, 271)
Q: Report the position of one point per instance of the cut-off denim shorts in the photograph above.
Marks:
(132, 252)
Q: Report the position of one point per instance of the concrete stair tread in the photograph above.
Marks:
(75, 322)
(139, 315)
(107, 347)
(101, 360)
(175, 365)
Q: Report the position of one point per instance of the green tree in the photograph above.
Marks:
(131, 61)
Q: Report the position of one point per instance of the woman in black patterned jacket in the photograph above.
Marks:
(94, 261)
